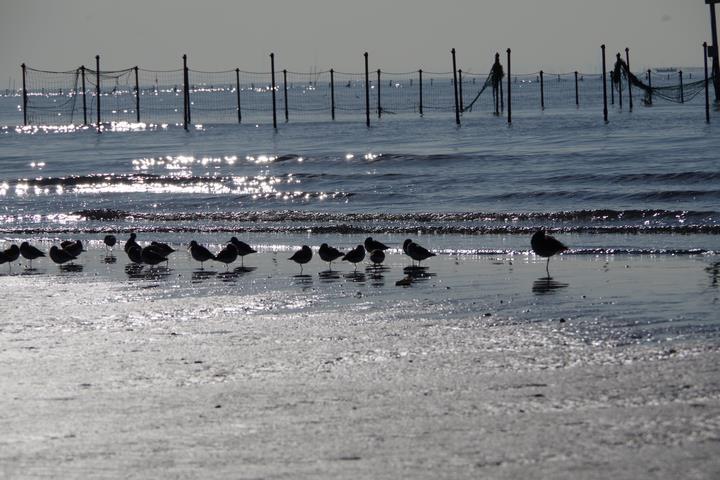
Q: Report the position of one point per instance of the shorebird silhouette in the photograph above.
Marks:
(372, 245)
(329, 254)
(162, 248)
(29, 252)
(73, 248)
(200, 253)
(151, 255)
(109, 241)
(60, 255)
(130, 242)
(242, 249)
(302, 256)
(227, 255)
(416, 252)
(377, 257)
(134, 253)
(355, 256)
(9, 255)
(546, 246)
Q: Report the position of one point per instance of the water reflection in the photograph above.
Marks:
(545, 285)
(714, 271)
(110, 259)
(358, 277)
(71, 268)
(201, 275)
(418, 273)
(329, 276)
(138, 272)
(243, 270)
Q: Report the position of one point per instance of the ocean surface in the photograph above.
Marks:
(643, 189)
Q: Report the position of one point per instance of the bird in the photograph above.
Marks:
(163, 248)
(242, 249)
(372, 245)
(151, 256)
(134, 253)
(416, 252)
(109, 241)
(227, 255)
(355, 256)
(73, 248)
(29, 252)
(130, 242)
(377, 257)
(302, 256)
(200, 253)
(9, 255)
(546, 246)
(60, 255)
(329, 254)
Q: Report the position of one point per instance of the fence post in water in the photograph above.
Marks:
(682, 94)
(137, 95)
(612, 91)
(367, 92)
(627, 61)
(379, 108)
(272, 77)
(420, 81)
(97, 89)
(577, 92)
(462, 109)
(455, 87)
(707, 86)
(82, 72)
(509, 98)
(285, 93)
(649, 74)
(604, 70)
(332, 93)
(25, 95)
(619, 85)
(186, 96)
(237, 91)
(542, 91)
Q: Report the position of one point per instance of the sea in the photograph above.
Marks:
(636, 199)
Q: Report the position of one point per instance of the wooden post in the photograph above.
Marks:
(379, 106)
(332, 93)
(619, 85)
(97, 89)
(604, 73)
(420, 82)
(272, 77)
(367, 92)
(237, 91)
(460, 94)
(455, 87)
(542, 91)
(577, 91)
(612, 92)
(649, 74)
(714, 48)
(682, 93)
(707, 86)
(82, 72)
(186, 96)
(287, 118)
(627, 61)
(509, 96)
(137, 95)
(24, 68)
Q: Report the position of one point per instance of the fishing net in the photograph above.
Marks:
(494, 80)
(677, 93)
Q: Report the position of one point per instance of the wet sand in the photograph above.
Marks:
(107, 378)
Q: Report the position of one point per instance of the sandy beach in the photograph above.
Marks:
(104, 379)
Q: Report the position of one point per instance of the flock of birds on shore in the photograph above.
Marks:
(156, 252)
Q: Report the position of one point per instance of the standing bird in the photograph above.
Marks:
(416, 252)
(150, 255)
(9, 255)
(302, 256)
(329, 254)
(546, 246)
(242, 249)
(355, 256)
(162, 248)
(109, 241)
(73, 248)
(377, 257)
(131, 242)
(29, 252)
(372, 245)
(200, 253)
(60, 255)
(134, 253)
(227, 255)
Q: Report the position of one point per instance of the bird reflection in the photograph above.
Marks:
(138, 272)
(545, 285)
(416, 272)
(110, 259)
(355, 276)
(714, 271)
(243, 270)
(329, 276)
(71, 268)
(198, 276)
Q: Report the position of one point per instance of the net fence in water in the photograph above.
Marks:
(237, 96)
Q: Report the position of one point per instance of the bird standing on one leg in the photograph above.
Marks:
(546, 246)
